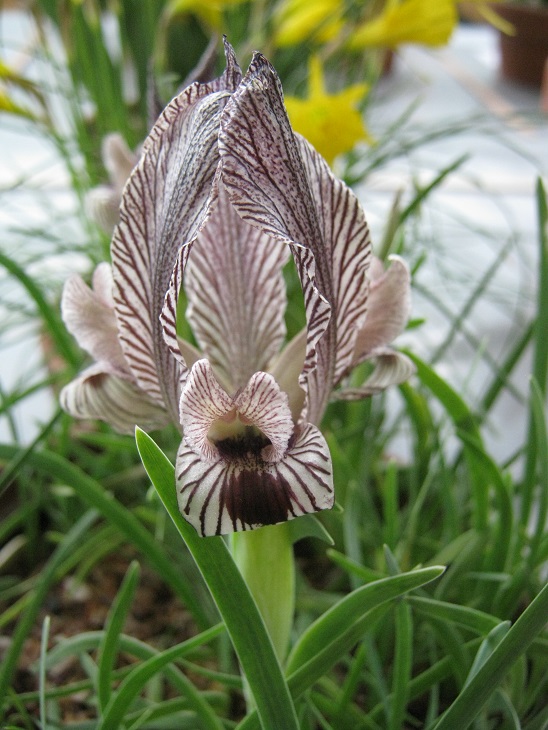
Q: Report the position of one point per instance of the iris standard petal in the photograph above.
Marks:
(164, 204)
(236, 294)
(233, 494)
(347, 245)
(263, 172)
(278, 182)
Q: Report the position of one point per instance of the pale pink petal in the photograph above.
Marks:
(103, 201)
(391, 368)
(376, 269)
(388, 310)
(97, 394)
(265, 406)
(286, 370)
(189, 353)
(118, 160)
(102, 204)
(229, 495)
(347, 249)
(163, 206)
(261, 164)
(236, 294)
(103, 283)
(203, 402)
(89, 318)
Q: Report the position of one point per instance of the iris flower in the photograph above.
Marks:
(224, 193)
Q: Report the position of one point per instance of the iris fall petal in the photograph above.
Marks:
(242, 493)
(98, 394)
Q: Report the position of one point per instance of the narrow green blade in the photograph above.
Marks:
(238, 609)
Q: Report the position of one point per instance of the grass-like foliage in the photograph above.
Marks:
(420, 599)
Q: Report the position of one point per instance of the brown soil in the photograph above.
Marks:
(156, 617)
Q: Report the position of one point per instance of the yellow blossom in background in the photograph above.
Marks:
(211, 11)
(299, 20)
(330, 122)
(429, 22)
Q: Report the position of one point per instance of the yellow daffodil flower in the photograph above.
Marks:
(429, 22)
(300, 20)
(330, 122)
(210, 12)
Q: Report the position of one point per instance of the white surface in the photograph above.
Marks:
(480, 225)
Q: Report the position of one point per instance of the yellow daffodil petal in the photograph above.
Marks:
(300, 20)
(429, 22)
(211, 12)
(330, 122)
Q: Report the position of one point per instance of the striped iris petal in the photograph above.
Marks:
(116, 399)
(244, 491)
(234, 284)
(107, 390)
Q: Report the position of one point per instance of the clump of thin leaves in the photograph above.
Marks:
(420, 599)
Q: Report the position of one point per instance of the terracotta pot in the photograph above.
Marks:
(524, 54)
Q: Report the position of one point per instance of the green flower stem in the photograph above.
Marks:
(265, 559)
